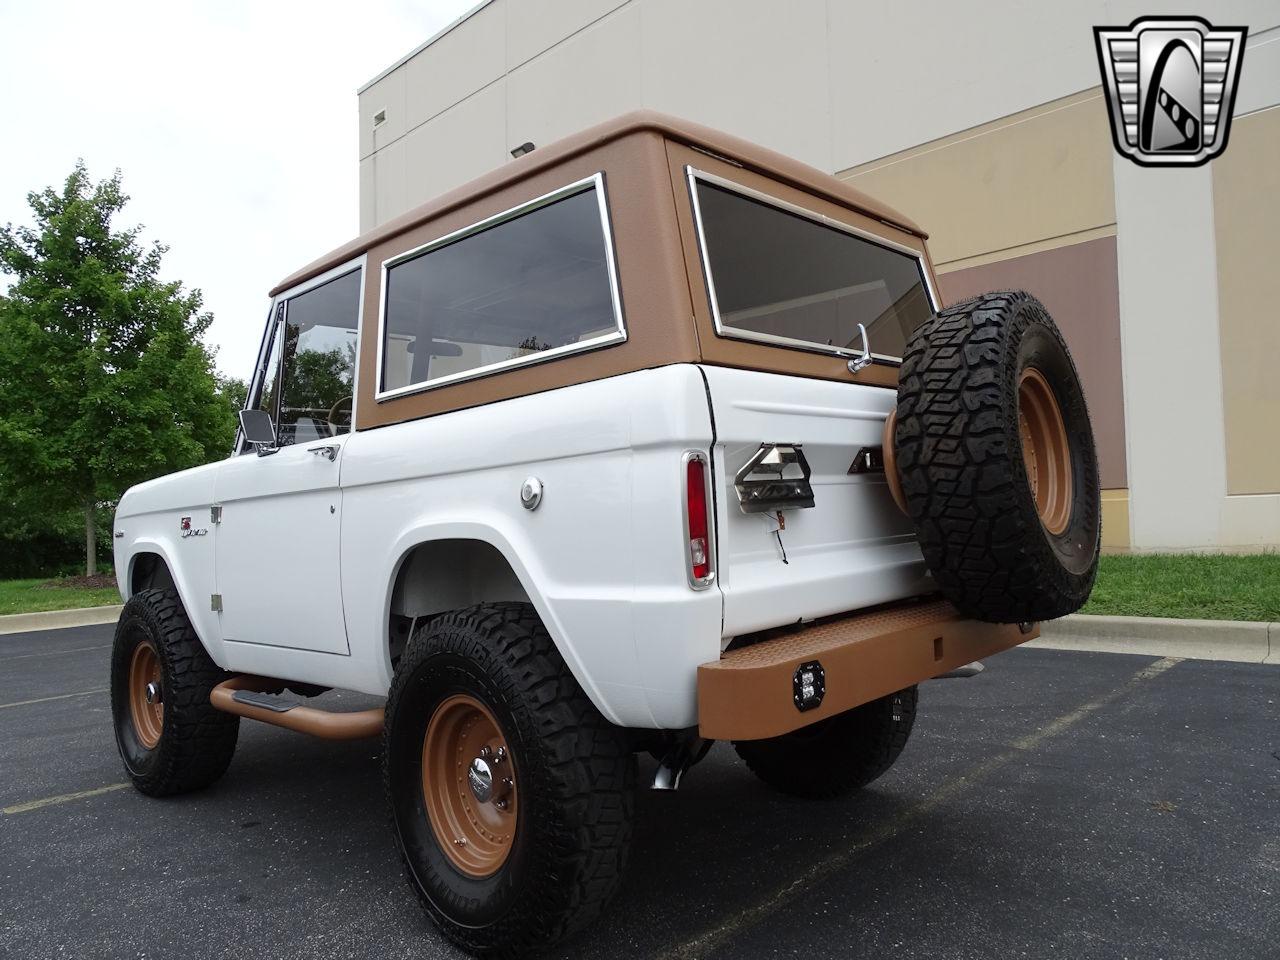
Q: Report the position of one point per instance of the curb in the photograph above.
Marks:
(1229, 640)
(56, 619)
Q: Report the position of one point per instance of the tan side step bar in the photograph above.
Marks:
(325, 724)
(795, 677)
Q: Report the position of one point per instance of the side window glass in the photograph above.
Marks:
(538, 283)
(319, 361)
(781, 277)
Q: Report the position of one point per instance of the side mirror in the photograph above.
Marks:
(258, 430)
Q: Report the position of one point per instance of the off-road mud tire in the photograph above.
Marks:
(574, 774)
(834, 757)
(196, 742)
(960, 460)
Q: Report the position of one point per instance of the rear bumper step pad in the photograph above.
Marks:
(753, 692)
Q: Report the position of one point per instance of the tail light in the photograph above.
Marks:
(699, 549)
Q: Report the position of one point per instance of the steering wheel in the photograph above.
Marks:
(341, 409)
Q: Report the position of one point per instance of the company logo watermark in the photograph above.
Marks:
(1171, 86)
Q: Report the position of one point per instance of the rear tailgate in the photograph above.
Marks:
(852, 549)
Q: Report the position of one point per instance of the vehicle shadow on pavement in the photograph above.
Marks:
(720, 845)
(699, 856)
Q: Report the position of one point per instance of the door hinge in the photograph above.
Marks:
(215, 513)
(215, 602)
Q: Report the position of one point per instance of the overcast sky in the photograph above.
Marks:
(233, 122)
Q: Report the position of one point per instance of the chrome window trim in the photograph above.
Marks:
(693, 175)
(356, 263)
(619, 335)
(238, 443)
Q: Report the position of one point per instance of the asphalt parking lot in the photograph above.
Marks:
(1058, 805)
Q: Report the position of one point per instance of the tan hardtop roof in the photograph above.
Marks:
(739, 151)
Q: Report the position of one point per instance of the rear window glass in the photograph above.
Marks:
(780, 277)
(532, 284)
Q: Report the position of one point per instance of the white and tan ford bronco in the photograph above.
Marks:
(648, 439)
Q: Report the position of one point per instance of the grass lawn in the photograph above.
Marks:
(1194, 586)
(32, 596)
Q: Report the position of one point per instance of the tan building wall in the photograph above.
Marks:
(1027, 202)
(1031, 180)
(1246, 207)
(1156, 276)
(829, 82)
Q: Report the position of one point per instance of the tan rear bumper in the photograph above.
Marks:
(749, 693)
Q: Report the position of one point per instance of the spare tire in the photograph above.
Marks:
(995, 457)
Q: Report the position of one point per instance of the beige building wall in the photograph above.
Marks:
(825, 81)
(1253, 517)
(1185, 350)
(1246, 206)
(1026, 182)
(1027, 202)
(1155, 275)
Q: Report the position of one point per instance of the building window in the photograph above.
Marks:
(782, 277)
(531, 284)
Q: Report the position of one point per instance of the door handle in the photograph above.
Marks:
(328, 451)
(857, 363)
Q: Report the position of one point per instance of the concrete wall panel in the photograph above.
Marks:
(387, 172)
(1260, 75)
(905, 73)
(1170, 353)
(456, 66)
(534, 26)
(445, 152)
(755, 68)
(592, 76)
(387, 94)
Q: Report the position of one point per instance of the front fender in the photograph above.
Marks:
(190, 566)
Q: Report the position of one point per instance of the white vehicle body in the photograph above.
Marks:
(650, 439)
(601, 559)
(311, 564)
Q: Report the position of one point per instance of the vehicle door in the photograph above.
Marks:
(276, 554)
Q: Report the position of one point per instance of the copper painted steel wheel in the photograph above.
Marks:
(475, 833)
(890, 456)
(1046, 450)
(147, 715)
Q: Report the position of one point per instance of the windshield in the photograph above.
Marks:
(784, 278)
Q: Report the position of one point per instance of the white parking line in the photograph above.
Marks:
(54, 653)
(61, 696)
(65, 798)
(706, 942)
(1031, 741)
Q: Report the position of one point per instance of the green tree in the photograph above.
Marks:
(104, 378)
(234, 394)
